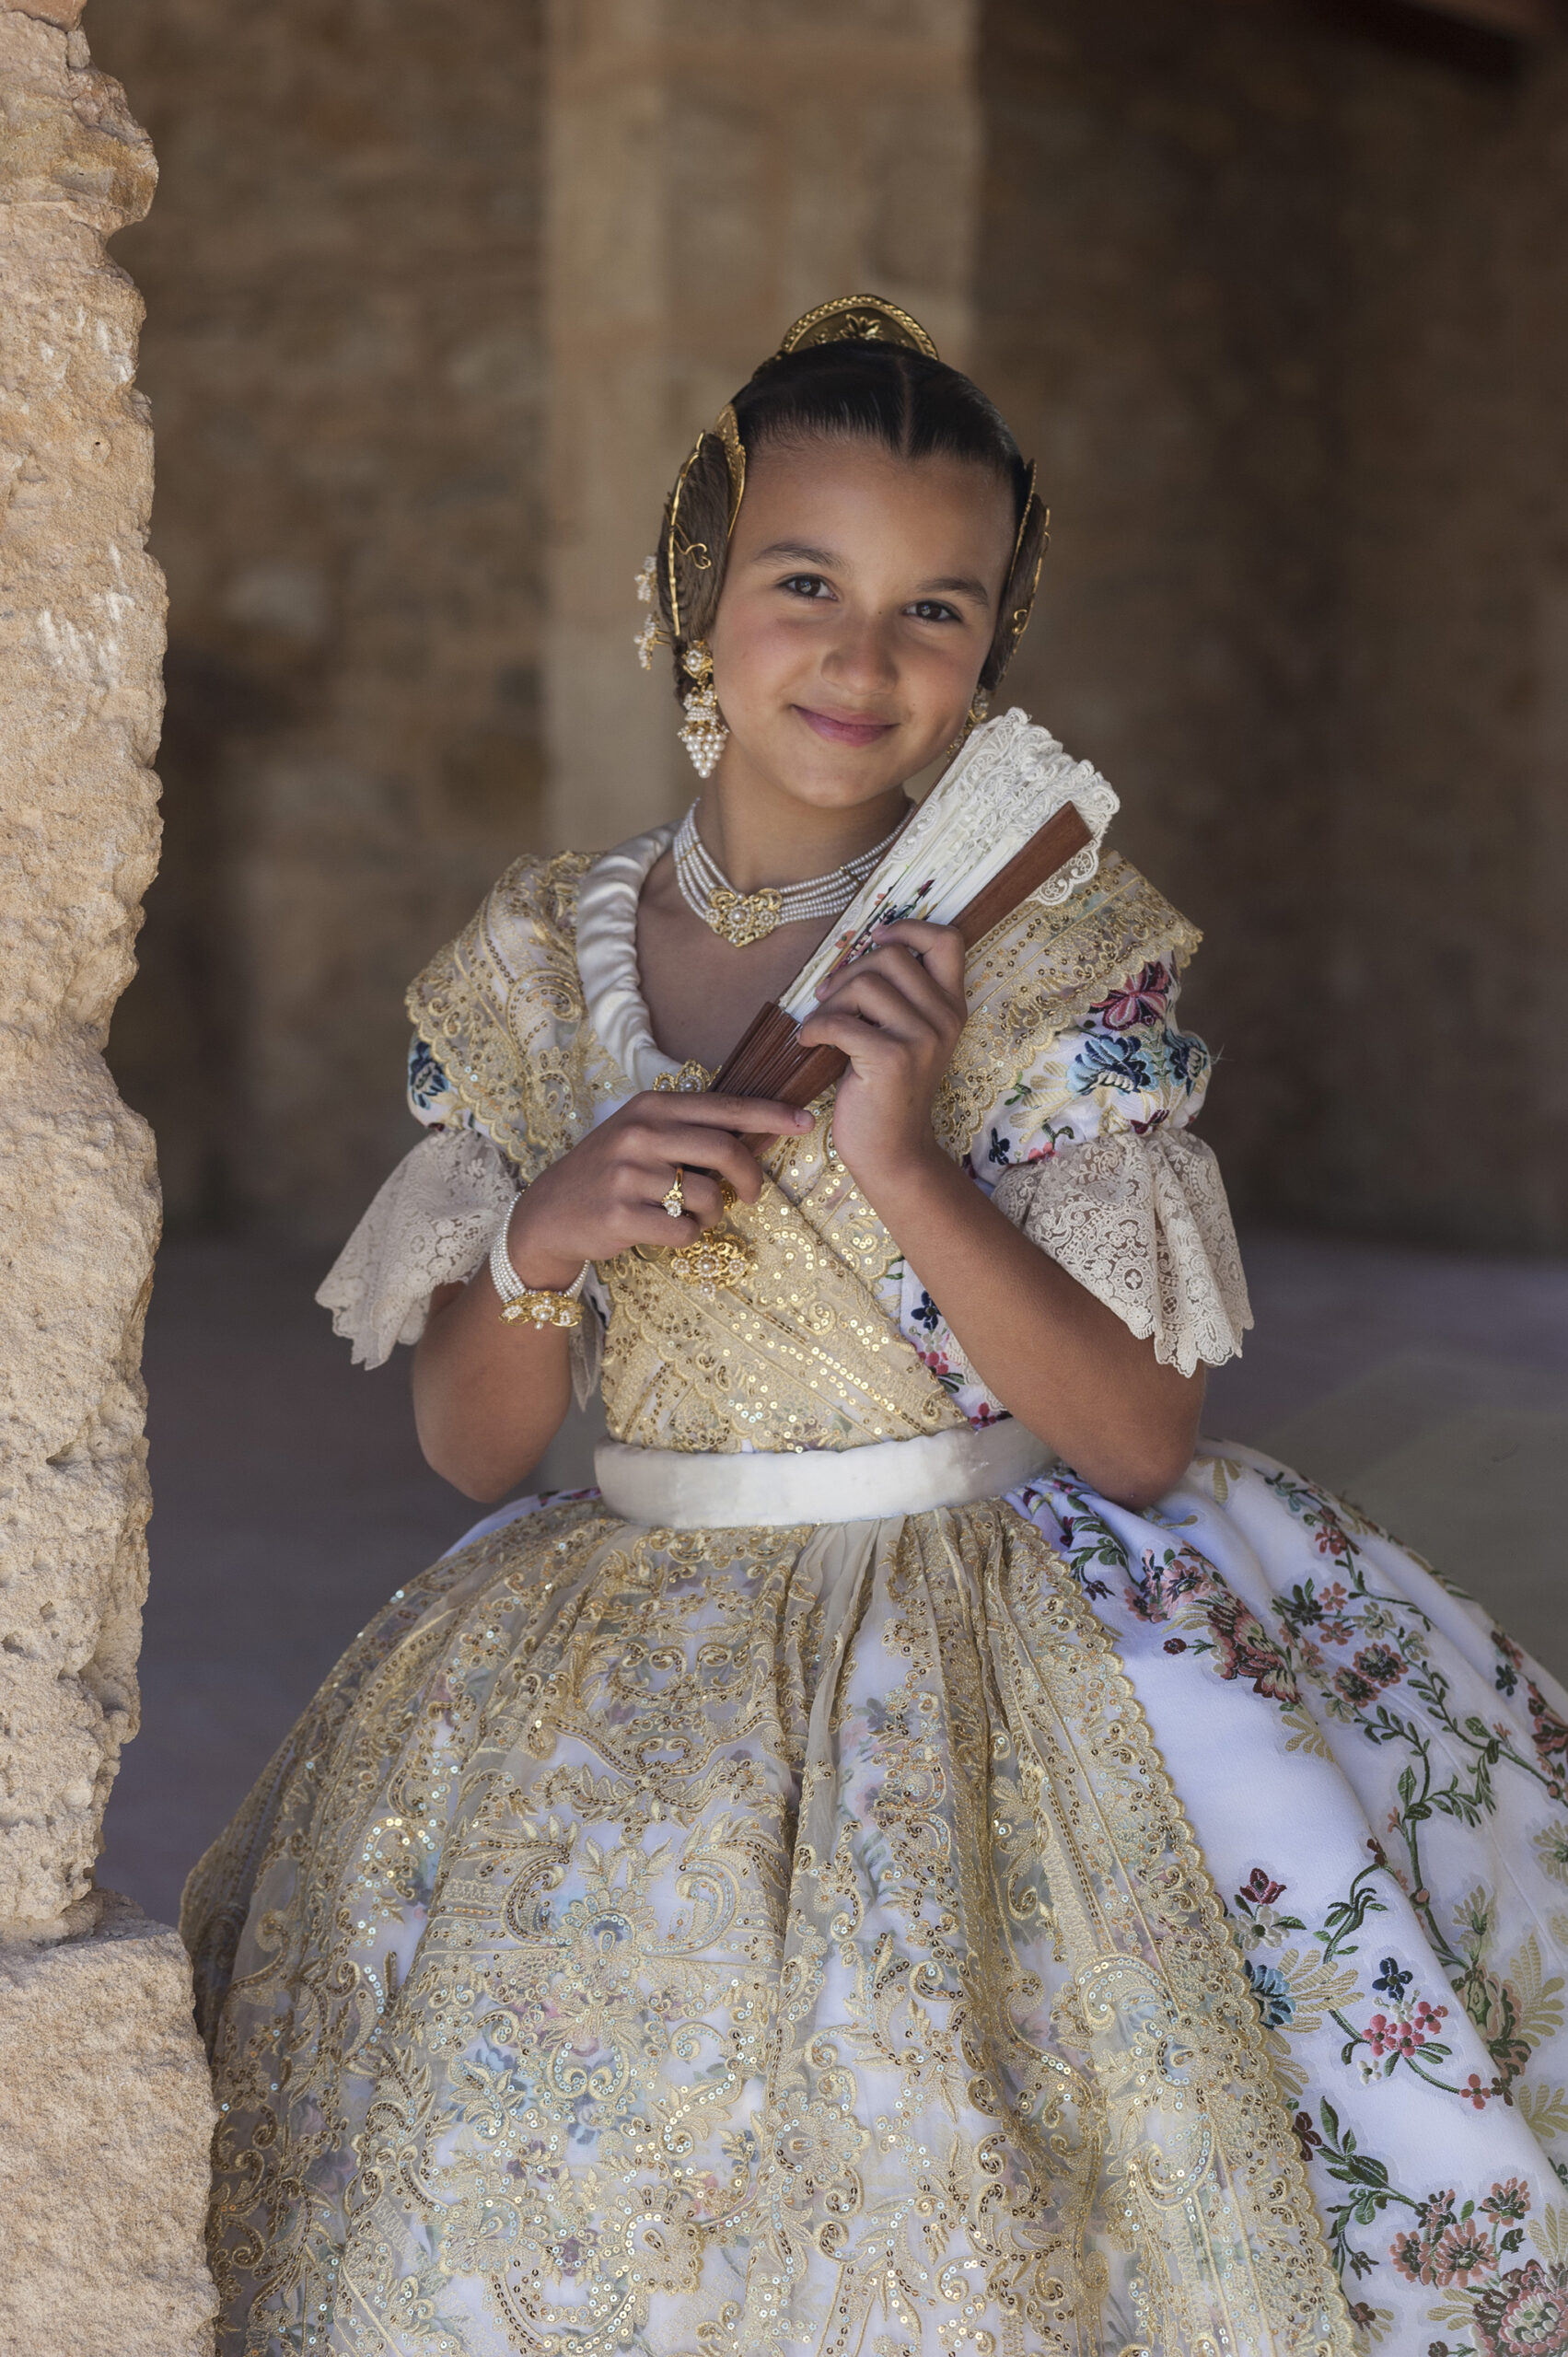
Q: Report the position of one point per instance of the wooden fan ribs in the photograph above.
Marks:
(769, 1061)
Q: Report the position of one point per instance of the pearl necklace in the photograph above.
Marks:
(742, 917)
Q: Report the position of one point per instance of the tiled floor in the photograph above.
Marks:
(291, 1497)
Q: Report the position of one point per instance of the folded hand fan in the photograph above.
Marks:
(1015, 815)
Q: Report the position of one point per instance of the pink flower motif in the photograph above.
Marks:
(1412, 2257)
(1139, 1000)
(1473, 2091)
(1464, 2251)
(1525, 2313)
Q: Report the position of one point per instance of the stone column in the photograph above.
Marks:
(712, 172)
(105, 2110)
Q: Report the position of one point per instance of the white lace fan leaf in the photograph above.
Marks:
(1009, 779)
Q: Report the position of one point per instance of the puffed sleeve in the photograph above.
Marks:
(1091, 1155)
(432, 1223)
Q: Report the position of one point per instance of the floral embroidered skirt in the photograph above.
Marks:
(1028, 1928)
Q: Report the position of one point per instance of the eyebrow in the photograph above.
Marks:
(957, 585)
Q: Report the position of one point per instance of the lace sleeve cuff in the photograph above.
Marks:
(431, 1224)
(1143, 1224)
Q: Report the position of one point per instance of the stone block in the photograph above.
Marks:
(80, 640)
(108, 2117)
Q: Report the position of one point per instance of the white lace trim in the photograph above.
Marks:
(431, 1224)
(1144, 1224)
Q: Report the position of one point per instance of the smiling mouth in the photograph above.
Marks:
(839, 730)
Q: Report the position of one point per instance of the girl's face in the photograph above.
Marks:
(858, 605)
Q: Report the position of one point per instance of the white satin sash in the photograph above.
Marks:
(671, 1489)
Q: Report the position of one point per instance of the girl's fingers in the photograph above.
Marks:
(651, 1225)
(701, 1196)
(863, 1043)
(898, 965)
(693, 1148)
(940, 948)
(878, 998)
(748, 1116)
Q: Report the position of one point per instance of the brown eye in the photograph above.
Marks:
(806, 584)
(931, 609)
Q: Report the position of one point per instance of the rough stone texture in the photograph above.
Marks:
(107, 2111)
(103, 2158)
(713, 172)
(1280, 305)
(343, 355)
(80, 636)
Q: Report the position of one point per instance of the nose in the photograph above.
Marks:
(860, 656)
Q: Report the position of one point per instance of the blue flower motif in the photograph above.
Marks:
(1187, 1056)
(427, 1082)
(1392, 1980)
(999, 1151)
(1109, 1063)
(925, 1314)
(1272, 1991)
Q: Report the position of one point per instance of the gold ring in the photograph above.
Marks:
(673, 1199)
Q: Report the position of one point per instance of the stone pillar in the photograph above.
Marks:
(104, 2103)
(711, 173)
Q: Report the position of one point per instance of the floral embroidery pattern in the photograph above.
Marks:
(1419, 1963)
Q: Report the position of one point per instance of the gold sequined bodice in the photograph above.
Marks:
(798, 1353)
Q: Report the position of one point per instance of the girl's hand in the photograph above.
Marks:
(897, 1014)
(607, 1193)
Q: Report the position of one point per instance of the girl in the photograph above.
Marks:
(928, 1856)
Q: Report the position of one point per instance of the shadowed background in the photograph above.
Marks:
(437, 298)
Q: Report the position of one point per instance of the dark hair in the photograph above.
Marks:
(885, 393)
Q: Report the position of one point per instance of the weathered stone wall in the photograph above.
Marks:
(102, 2074)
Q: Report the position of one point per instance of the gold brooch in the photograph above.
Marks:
(740, 917)
(714, 1263)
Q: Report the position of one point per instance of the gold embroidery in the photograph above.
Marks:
(795, 1354)
(741, 1942)
(500, 1007)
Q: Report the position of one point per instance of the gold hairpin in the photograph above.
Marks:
(858, 318)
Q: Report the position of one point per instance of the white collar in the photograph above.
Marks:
(606, 955)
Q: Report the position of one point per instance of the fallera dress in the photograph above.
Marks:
(799, 1900)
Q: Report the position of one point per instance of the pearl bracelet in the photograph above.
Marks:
(538, 1304)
